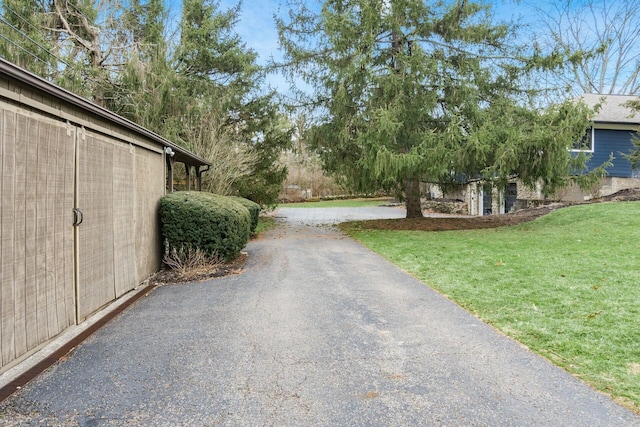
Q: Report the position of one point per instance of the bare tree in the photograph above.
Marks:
(231, 159)
(603, 39)
(305, 177)
(94, 41)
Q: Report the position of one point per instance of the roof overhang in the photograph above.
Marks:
(33, 81)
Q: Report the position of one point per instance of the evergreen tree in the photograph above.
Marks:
(410, 91)
(145, 84)
(22, 40)
(203, 91)
(634, 155)
(218, 80)
(65, 44)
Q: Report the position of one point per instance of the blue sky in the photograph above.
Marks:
(257, 28)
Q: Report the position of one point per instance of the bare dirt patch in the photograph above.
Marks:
(168, 276)
(629, 195)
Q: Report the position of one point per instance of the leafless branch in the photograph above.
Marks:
(604, 32)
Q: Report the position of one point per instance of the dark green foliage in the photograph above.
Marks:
(214, 224)
(410, 90)
(252, 207)
(634, 155)
(21, 40)
(194, 82)
(264, 183)
(214, 65)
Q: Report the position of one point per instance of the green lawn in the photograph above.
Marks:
(353, 203)
(566, 285)
(265, 223)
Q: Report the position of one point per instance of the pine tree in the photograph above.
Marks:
(218, 81)
(203, 91)
(144, 90)
(412, 91)
(22, 40)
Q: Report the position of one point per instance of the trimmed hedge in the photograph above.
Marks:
(253, 207)
(214, 224)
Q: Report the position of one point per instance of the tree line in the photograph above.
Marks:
(408, 91)
(195, 82)
(397, 92)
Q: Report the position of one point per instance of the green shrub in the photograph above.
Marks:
(214, 224)
(253, 207)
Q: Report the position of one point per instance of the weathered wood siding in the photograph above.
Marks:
(150, 187)
(55, 157)
(124, 215)
(37, 262)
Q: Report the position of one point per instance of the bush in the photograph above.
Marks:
(214, 224)
(190, 263)
(253, 207)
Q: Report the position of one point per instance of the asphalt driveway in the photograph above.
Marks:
(317, 331)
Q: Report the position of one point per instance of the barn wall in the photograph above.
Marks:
(55, 157)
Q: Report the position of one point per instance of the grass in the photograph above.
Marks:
(264, 223)
(352, 203)
(566, 285)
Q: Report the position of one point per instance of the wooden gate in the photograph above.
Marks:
(79, 194)
(37, 250)
(54, 275)
(105, 236)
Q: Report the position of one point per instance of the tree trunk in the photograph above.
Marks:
(412, 197)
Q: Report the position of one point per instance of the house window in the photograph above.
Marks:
(586, 143)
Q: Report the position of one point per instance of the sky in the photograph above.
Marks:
(257, 27)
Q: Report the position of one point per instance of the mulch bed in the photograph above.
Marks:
(490, 221)
(168, 276)
(456, 223)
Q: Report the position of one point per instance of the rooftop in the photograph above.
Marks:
(613, 108)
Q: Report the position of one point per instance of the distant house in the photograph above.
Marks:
(614, 127)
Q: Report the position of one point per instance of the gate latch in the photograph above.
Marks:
(78, 217)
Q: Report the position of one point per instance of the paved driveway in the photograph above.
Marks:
(319, 216)
(317, 331)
